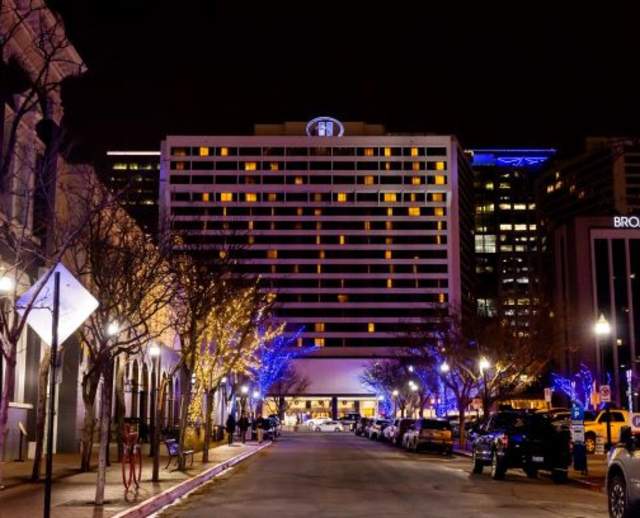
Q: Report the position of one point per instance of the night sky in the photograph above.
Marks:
(530, 75)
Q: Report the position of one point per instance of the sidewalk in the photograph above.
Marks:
(594, 479)
(73, 494)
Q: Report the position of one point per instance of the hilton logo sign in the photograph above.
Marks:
(626, 222)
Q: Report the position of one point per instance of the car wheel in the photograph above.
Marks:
(617, 497)
(559, 476)
(590, 443)
(498, 468)
(478, 465)
(337, 429)
(318, 429)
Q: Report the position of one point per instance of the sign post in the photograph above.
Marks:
(577, 435)
(605, 397)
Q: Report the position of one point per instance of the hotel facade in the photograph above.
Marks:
(360, 233)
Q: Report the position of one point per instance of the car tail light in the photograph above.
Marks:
(504, 440)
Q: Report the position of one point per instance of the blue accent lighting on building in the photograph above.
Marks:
(533, 158)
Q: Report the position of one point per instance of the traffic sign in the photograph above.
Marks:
(577, 413)
(605, 393)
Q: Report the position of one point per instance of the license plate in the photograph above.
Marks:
(537, 459)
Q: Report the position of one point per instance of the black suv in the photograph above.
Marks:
(515, 439)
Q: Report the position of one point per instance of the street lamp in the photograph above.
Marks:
(6, 284)
(154, 352)
(444, 367)
(256, 394)
(410, 368)
(602, 328)
(484, 365)
(113, 329)
(244, 389)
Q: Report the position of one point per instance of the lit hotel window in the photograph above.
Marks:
(416, 166)
(488, 186)
(437, 196)
(222, 254)
(180, 166)
(318, 268)
(388, 225)
(299, 180)
(224, 151)
(250, 225)
(438, 211)
(251, 240)
(439, 166)
(204, 151)
(371, 327)
(387, 166)
(299, 211)
(299, 341)
(226, 196)
(342, 197)
(205, 196)
(317, 212)
(506, 226)
(119, 167)
(321, 254)
(387, 254)
(249, 166)
(387, 151)
(250, 197)
(318, 342)
(368, 151)
(317, 197)
(389, 283)
(412, 196)
(319, 327)
(272, 254)
(442, 298)
(274, 166)
(414, 211)
(368, 180)
(389, 196)
(342, 240)
(342, 298)
(272, 196)
(519, 206)
(388, 240)
(440, 180)
(416, 180)
(414, 151)
(367, 225)
(389, 211)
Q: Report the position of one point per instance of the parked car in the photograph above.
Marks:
(349, 421)
(377, 428)
(361, 426)
(559, 417)
(623, 473)
(429, 433)
(312, 423)
(329, 426)
(595, 425)
(520, 439)
(395, 431)
(276, 424)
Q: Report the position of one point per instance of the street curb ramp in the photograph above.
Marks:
(170, 495)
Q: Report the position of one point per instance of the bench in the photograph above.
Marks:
(174, 452)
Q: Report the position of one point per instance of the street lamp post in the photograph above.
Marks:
(395, 394)
(154, 352)
(602, 328)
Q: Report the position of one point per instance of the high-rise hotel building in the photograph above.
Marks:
(359, 232)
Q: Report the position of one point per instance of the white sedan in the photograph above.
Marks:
(328, 426)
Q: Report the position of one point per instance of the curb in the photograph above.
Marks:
(170, 495)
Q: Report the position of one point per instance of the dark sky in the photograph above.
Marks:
(526, 75)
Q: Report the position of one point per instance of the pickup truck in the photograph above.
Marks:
(519, 439)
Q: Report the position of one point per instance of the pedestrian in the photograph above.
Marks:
(231, 428)
(260, 424)
(243, 424)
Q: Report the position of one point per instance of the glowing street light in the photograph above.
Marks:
(602, 326)
(395, 393)
(484, 364)
(154, 350)
(256, 394)
(380, 397)
(6, 284)
(410, 368)
(223, 380)
(113, 329)
(244, 390)
(444, 367)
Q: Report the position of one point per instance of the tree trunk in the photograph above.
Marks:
(461, 418)
(121, 408)
(9, 380)
(281, 408)
(105, 424)
(207, 426)
(185, 387)
(41, 413)
(89, 391)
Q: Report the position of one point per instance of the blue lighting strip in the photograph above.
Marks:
(517, 157)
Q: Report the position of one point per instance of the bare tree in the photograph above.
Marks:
(290, 385)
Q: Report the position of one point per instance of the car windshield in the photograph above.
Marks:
(589, 415)
(509, 420)
(435, 424)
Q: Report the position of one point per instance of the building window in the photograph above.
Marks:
(439, 166)
(318, 342)
(414, 151)
(506, 226)
(317, 240)
(299, 180)
(415, 166)
(389, 283)
(224, 151)
(438, 211)
(387, 254)
(250, 225)
(342, 197)
(387, 166)
(317, 212)
(485, 243)
(319, 327)
(274, 166)
(388, 225)
(414, 211)
(250, 197)
(416, 180)
(368, 180)
(519, 206)
(321, 254)
(272, 196)
(367, 225)
(249, 166)
(390, 211)
(251, 240)
(488, 186)
(387, 151)
(180, 166)
(341, 240)
(442, 298)
(389, 196)
(226, 196)
(272, 254)
(318, 268)
(371, 327)
(388, 240)
(412, 196)
(368, 151)
(204, 151)
(205, 196)
(440, 179)
(343, 298)
(437, 196)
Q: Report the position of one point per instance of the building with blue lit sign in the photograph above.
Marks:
(506, 236)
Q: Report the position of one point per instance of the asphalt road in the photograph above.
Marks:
(339, 475)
